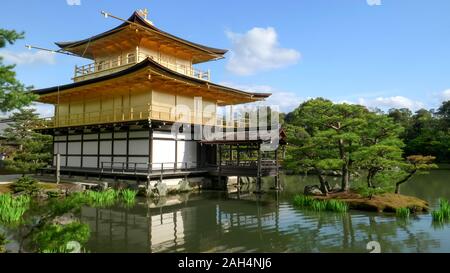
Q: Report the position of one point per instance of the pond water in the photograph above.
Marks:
(221, 222)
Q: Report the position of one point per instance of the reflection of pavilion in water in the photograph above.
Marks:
(217, 222)
(179, 227)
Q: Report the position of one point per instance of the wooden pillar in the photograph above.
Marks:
(238, 155)
(82, 148)
(238, 159)
(53, 150)
(258, 178)
(277, 175)
(220, 164)
(58, 168)
(150, 150)
(112, 146)
(67, 148)
(128, 148)
(98, 149)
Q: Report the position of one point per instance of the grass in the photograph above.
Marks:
(303, 201)
(403, 212)
(53, 238)
(443, 213)
(6, 188)
(3, 243)
(102, 198)
(128, 196)
(13, 208)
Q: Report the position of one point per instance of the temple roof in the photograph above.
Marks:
(153, 68)
(81, 47)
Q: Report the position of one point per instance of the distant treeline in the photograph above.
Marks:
(425, 132)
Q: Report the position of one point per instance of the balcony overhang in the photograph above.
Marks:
(150, 75)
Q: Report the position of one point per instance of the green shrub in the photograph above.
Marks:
(3, 243)
(370, 192)
(443, 213)
(303, 201)
(102, 198)
(403, 212)
(73, 202)
(25, 184)
(128, 196)
(52, 194)
(53, 238)
(336, 206)
(13, 208)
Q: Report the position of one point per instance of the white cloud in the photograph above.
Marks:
(445, 96)
(258, 50)
(73, 2)
(286, 101)
(391, 102)
(44, 110)
(26, 57)
(373, 2)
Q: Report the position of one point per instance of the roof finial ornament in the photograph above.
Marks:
(144, 14)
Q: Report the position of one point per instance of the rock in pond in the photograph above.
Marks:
(312, 190)
(64, 219)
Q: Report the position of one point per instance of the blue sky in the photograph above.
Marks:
(391, 55)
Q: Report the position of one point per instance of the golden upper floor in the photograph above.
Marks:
(144, 91)
(140, 72)
(133, 41)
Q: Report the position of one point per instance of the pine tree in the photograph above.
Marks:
(13, 94)
(34, 149)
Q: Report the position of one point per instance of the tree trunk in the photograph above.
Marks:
(345, 178)
(345, 169)
(370, 176)
(323, 183)
(404, 180)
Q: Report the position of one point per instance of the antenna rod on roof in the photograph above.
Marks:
(107, 14)
(60, 51)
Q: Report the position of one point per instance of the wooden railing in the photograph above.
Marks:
(112, 64)
(144, 112)
(159, 169)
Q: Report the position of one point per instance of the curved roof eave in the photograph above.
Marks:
(148, 62)
(138, 19)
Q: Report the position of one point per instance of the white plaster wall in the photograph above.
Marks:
(75, 137)
(105, 159)
(105, 147)
(160, 134)
(120, 135)
(106, 135)
(90, 161)
(63, 161)
(60, 138)
(163, 152)
(143, 160)
(187, 152)
(90, 136)
(90, 148)
(120, 147)
(62, 147)
(74, 148)
(74, 161)
(139, 134)
(138, 147)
